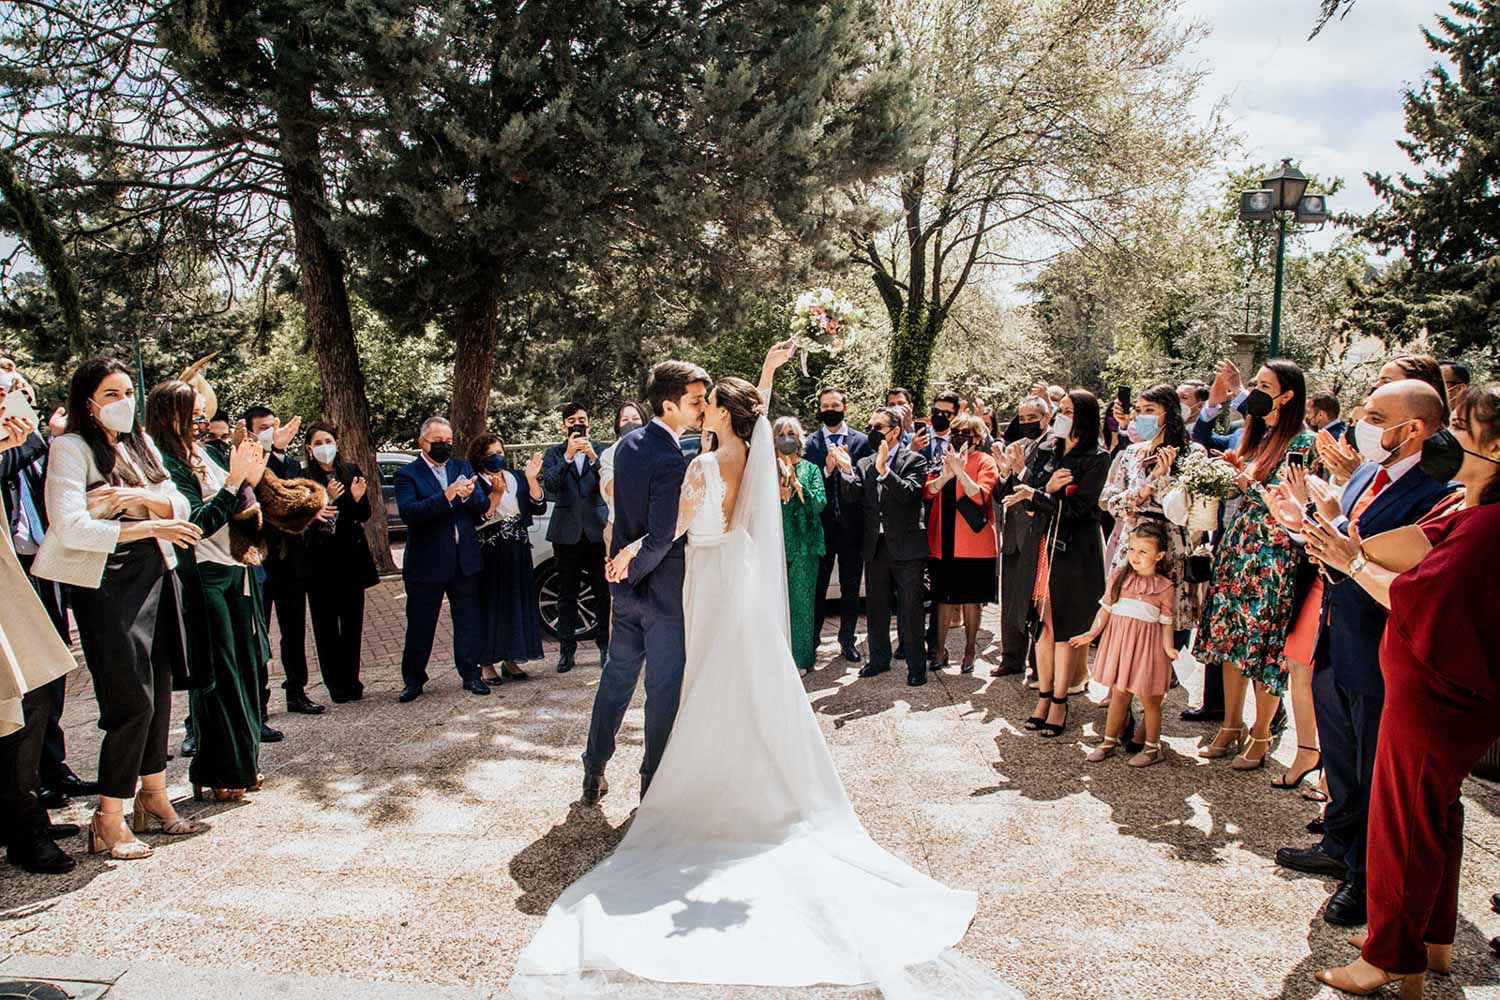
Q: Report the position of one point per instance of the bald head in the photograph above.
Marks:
(1408, 399)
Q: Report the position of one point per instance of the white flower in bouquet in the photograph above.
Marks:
(824, 321)
(1206, 478)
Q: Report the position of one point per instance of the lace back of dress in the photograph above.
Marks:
(707, 526)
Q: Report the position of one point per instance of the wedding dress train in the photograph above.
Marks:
(745, 864)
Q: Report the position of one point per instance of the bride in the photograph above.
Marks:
(745, 864)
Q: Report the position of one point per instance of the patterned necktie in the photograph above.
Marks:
(1381, 481)
(833, 493)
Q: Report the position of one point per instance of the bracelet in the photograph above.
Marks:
(1358, 565)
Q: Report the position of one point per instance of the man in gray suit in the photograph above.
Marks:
(1018, 537)
(570, 475)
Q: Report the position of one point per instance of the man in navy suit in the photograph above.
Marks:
(1388, 491)
(570, 475)
(843, 523)
(442, 502)
(1323, 414)
(648, 627)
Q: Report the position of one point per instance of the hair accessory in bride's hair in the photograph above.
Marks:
(759, 409)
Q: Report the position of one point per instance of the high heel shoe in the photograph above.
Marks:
(1439, 956)
(143, 820)
(510, 671)
(1036, 722)
(1213, 751)
(1289, 786)
(1342, 979)
(1244, 762)
(1052, 730)
(201, 794)
(128, 849)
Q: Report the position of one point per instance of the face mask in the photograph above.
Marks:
(326, 453)
(1062, 425)
(1442, 456)
(1367, 438)
(941, 421)
(118, 416)
(1032, 431)
(494, 463)
(877, 434)
(630, 426)
(788, 444)
(200, 428)
(267, 438)
(1258, 404)
(1187, 414)
(1147, 426)
(440, 451)
(831, 418)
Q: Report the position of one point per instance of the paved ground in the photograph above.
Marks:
(395, 847)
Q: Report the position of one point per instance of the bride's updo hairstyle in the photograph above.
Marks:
(743, 402)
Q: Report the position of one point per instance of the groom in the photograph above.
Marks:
(648, 626)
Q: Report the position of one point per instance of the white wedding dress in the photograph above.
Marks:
(746, 863)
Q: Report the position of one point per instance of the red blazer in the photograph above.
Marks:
(967, 543)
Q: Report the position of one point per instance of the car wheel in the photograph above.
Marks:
(546, 590)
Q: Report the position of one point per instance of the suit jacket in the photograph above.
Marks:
(434, 554)
(895, 503)
(1338, 429)
(1352, 622)
(1203, 433)
(341, 554)
(28, 459)
(843, 524)
(578, 508)
(649, 469)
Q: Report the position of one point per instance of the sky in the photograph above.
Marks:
(1333, 104)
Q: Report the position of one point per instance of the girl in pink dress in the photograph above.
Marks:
(1135, 658)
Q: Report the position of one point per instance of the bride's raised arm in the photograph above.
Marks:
(778, 355)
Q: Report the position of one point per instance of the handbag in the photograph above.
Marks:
(976, 516)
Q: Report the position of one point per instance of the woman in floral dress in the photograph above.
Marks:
(1249, 605)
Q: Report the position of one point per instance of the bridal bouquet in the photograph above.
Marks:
(824, 322)
(1207, 482)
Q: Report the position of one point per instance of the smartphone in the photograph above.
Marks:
(18, 406)
(1123, 395)
(1297, 459)
(577, 432)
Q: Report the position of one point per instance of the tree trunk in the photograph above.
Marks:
(326, 299)
(915, 334)
(474, 326)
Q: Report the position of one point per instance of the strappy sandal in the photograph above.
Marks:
(129, 849)
(1244, 762)
(1285, 785)
(143, 820)
(1052, 730)
(1150, 754)
(1036, 722)
(1104, 750)
(1214, 752)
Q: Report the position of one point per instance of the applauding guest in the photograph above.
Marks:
(570, 472)
(961, 537)
(510, 615)
(802, 503)
(1019, 537)
(843, 523)
(340, 567)
(441, 502)
(117, 520)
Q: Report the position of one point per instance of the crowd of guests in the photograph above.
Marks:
(1347, 569)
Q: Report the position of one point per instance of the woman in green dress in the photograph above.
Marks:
(218, 602)
(802, 502)
(1248, 609)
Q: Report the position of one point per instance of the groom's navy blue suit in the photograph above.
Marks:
(648, 627)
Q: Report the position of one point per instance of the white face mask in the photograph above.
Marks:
(267, 438)
(1367, 440)
(1187, 414)
(326, 453)
(118, 416)
(1062, 425)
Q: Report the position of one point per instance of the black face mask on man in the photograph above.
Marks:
(941, 420)
(440, 451)
(831, 418)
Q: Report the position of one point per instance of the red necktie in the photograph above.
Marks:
(1381, 481)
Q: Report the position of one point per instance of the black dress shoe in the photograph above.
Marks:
(62, 831)
(189, 746)
(1203, 715)
(410, 693)
(1316, 826)
(565, 663)
(303, 705)
(51, 798)
(1495, 902)
(75, 787)
(595, 787)
(871, 670)
(40, 856)
(916, 680)
(851, 653)
(476, 685)
(1346, 907)
(1495, 945)
(1312, 860)
(269, 735)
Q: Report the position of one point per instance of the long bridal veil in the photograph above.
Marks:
(746, 864)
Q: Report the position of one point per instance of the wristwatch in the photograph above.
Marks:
(1358, 565)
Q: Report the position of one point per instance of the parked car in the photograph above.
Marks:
(389, 462)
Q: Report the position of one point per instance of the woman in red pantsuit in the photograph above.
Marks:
(1441, 662)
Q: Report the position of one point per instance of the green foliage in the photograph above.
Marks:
(22, 210)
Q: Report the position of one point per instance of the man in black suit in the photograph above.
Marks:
(889, 484)
(570, 475)
(286, 589)
(843, 523)
(1323, 414)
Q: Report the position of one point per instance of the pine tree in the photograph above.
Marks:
(1445, 218)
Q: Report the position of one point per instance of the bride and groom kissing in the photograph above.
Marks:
(745, 864)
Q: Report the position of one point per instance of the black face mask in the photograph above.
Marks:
(941, 421)
(1259, 404)
(1018, 430)
(877, 434)
(440, 451)
(629, 426)
(1442, 456)
(831, 418)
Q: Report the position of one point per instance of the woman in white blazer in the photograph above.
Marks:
(115, 516)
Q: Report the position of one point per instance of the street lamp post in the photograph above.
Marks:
(1283, 198)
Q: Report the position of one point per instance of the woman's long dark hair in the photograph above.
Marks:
(342, 471)
(1265, 449)
(1479, 408)
(81, 421)
(1424, 368)
(1149, 528)
(1085, 419)
(742, 400)
(1175, 433)
(169, 418)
